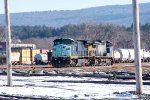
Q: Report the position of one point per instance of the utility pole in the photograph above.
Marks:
(136, 37)
(8, 44)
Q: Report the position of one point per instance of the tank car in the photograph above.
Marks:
(41, 59)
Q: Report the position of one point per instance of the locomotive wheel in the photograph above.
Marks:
(73, 62)
(103, 62)
(96, 62)
(92, 62)
(108, 62)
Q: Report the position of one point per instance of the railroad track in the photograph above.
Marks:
(122, 71)
(50, 66)
(116, 67)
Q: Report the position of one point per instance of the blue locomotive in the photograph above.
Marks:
(70, 52)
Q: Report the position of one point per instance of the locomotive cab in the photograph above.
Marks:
(109, 49)
(64, 50)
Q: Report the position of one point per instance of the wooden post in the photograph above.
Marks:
(8, 44)
(136, 36)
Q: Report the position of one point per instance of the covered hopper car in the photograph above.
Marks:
(127, 55)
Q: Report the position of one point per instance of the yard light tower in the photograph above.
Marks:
(136, 38)
(8, 43)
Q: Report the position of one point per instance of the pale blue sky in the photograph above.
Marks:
(44, 5)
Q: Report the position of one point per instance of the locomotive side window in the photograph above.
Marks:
(64, 41)
(67, 42)
(103, 43)
(56, 43)
(108, 44)
(108, 50)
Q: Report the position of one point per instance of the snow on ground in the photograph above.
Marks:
(41, 86)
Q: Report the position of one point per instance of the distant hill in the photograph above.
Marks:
(118, 14)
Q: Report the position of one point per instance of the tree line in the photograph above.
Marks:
(42, 36)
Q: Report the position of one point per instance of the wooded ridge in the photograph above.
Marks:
(116, 14)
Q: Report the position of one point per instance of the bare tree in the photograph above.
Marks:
(2, 34)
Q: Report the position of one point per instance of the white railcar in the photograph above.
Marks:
(41, 58)
(117, 56)
(127, 55)
(124, 55)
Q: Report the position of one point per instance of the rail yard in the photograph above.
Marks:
(70, 52)
(86, 62)
(72, 56)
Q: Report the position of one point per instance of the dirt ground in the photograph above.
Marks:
(126, 67)
(115, 67)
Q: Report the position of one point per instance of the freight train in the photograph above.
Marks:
(70, 52)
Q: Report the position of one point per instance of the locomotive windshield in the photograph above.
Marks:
(63, 41)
